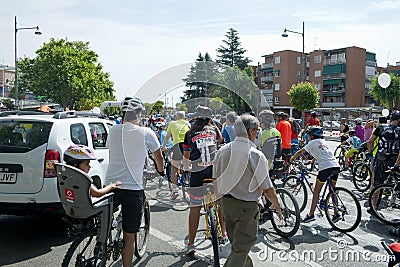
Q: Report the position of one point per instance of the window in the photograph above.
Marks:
(318, 85)
(78, 134)
(342, 56)
(276, 100)
(317, 59)
(317, 73)
(334, 57)
(298, 73)
(277, 86)
(277, 73)
(277, 60)
(99, 134)
(299, 60)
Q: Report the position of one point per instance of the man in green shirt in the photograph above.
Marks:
(177, 130)
(270, 137)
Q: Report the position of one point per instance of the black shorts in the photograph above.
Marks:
(324, 174)
(177, 151)
(131, 202)
(197, 191)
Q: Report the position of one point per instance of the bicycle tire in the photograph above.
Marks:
(362, 177)
(213, 224)
(387, 208)
(348, 221)
(143, 235)
(342, 163)
(338, 151)
(185, 184)
(82, 252)
(290, 223)
(296, 186)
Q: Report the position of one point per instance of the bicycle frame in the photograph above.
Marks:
(208, 202)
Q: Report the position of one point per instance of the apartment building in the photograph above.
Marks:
(6, 80)
(341, 76)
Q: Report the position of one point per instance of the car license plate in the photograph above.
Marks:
(8, 178)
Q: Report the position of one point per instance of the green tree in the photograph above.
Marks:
(304, 96)
(158, 106)
(216, 104)
(68, 73)
(388, 97)
(181, 107)
(231, 53)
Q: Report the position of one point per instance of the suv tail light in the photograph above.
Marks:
(51, 157)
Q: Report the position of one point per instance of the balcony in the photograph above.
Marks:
(334, 61)
(334, 76)
(266, 91)
(267, 66)
(333, 104)
(333, 92)
(370, 63)
(268, 79)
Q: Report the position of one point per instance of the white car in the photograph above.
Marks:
(30, 142)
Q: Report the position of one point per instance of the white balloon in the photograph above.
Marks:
(96, 110)
(384, 80)
(385, 112)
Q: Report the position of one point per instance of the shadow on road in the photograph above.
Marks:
(26, 237)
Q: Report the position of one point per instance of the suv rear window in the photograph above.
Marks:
(23, 136)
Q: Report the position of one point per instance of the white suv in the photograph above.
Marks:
(30, 142)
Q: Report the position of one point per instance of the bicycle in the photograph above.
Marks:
(94, 225)
(362, 174)
(213, 225)
(290, 222)
(384, 200)
(338, 199)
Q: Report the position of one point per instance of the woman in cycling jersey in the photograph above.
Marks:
(79, 156)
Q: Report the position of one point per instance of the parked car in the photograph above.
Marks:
(331, 125)
(30, 144)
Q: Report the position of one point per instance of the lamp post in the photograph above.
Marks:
(303, 61)
(16, 29)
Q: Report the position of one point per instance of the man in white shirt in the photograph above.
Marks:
(128, 144)
(242, 176)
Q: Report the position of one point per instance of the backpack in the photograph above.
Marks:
(296, 126)
(356, 142)
(389, 143)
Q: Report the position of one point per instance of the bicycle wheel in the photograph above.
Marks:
(296, 186)
(362, 177)
(143, 235)
(348, 207)
(290, 223)
(338, 151)
(385, 205)
(213, 226)
(185, 183)
(82, 252)
(342, 163)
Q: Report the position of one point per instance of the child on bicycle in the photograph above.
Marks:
(79, 156)
(354, 143)
(328, 166)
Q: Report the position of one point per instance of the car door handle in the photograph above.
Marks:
(100, 159)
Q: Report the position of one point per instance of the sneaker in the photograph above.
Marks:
(190, 250)
(336, 218)
(309, 218)
(174, 195)
(224, 240)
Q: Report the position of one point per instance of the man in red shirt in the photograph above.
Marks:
(313, 120)
(285, 129)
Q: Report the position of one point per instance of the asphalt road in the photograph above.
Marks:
(42, 241)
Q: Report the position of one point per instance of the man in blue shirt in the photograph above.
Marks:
(228, 133)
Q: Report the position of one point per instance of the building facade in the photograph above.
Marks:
(340, 75)
(7, 75)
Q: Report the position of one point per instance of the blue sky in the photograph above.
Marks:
(136, 40)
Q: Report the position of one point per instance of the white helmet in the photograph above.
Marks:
(358, 120)
(160, 124)
(132, 104)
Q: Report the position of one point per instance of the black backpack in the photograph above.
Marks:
(296, 127)
(389, 143)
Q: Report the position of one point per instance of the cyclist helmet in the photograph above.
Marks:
(352, 132)
(160, 124)
(132, 104)
(203, 112)
(266, 116)
(315, 131)
(358, 120)
(395, 116)
(78, 153)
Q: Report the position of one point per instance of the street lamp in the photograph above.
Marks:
(16, 29)
(303, 67)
